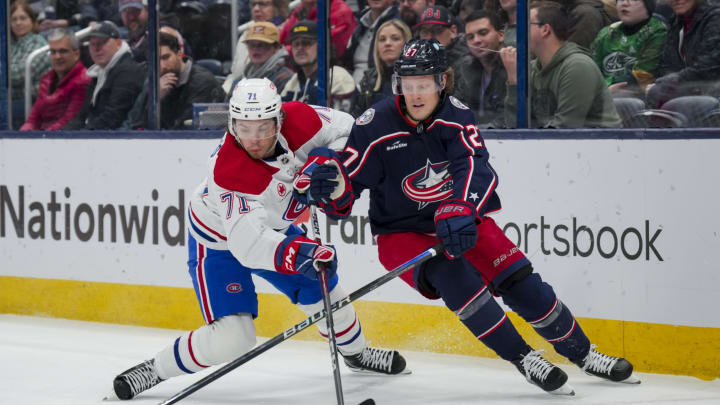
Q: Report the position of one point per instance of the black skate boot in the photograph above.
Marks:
(544, 374)
(136, 380)
(608, 367)
(377, 361)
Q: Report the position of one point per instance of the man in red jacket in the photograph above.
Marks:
(342, 22)
(62, 89)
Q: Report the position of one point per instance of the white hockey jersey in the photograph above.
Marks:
(245, 205)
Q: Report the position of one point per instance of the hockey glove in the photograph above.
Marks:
(298, 254)
(323, 179)
(455, 226)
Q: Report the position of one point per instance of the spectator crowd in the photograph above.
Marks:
(594, 63)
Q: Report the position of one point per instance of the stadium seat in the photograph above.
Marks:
(627, 107)
(213, 65)
(711, 119)
(210, 115)
(695, 108)
(657, 119)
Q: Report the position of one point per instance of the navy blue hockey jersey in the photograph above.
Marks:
(410, 168)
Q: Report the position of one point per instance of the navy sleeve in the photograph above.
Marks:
(474, 180)
(363, 165)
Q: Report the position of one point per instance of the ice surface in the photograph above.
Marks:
(61, 362)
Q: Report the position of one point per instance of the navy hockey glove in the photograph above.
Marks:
(298, 254)
(455, 226)
(323, 179)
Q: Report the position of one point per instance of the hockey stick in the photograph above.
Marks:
(328, 309)
(287, 334)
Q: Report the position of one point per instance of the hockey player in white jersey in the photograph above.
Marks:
(241, 223)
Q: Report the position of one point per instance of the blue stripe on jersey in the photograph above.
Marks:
(199, 232)
(353, 338)
(176, 351)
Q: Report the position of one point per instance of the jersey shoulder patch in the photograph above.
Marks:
(457, 103)
(366, 117)
(301, 123)
(235, 170)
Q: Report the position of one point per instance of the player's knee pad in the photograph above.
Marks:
(226, 339)
(348, 331)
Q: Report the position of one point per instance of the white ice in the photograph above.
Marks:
(61, 362)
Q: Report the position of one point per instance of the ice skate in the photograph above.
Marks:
(377, 361)
(544, 374)
(136, 380)
(611, 368)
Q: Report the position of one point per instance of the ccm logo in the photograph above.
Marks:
(234, 288)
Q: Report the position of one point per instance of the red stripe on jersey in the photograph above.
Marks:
(567, 335)
(372, 145)
(207, 228)
(233, 164)
(200, 273)
(489, 191)
(300, 125)
(192, 354)
(338, 334)
(491, 330)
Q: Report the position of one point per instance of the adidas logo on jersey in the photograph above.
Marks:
(396, 145)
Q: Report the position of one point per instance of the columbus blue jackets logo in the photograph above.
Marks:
(428, 184)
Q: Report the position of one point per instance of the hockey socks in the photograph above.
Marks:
(535, 301)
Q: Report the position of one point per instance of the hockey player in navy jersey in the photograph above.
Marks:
(426, 167)
(241, 223)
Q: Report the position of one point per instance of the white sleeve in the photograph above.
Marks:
(336, 126)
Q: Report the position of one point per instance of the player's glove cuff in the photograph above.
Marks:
(455, 226)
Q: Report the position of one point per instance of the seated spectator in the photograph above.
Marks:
(115, 81)
(61, 14)
(62, 89)
(342, 22)
(303, 85)
(24, 39)
(410, 10)
(437, 22)
(628, 51)
(181, 84)
(267, 58)
(359, 54)
(690, 63)
(376, 83)
(134, 16)
(506, 11)
(481, 76)
(274, 11)
(568, 90)
(588, 18)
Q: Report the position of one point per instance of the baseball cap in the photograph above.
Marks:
(435, 15)
(304, 28)
(263, 32)
(131, 3)
(105, 29)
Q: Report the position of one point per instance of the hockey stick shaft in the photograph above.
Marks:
(328, 309)
(314, 318)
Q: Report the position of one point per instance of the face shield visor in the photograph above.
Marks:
(417, 84)
(254, 130)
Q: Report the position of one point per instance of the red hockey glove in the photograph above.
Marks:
(323, 179)
(455, 226)
(298, 254)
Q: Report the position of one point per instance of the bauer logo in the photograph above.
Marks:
(234, 288)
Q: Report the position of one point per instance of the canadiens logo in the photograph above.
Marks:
(234, 288)
(429, 184)
(366, 117)
(281, 189)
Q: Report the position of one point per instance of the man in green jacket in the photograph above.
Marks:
(568, 90)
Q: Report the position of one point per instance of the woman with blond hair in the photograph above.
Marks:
(376, 82)
(24, 40)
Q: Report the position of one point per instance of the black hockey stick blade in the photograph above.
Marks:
(314, 318)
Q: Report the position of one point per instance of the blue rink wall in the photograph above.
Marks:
(622, 223)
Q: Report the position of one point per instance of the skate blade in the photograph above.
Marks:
(633, 379)
(111, 396)
(565, 389)
(369, 372)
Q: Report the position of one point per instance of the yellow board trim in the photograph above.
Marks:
(654, 348)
